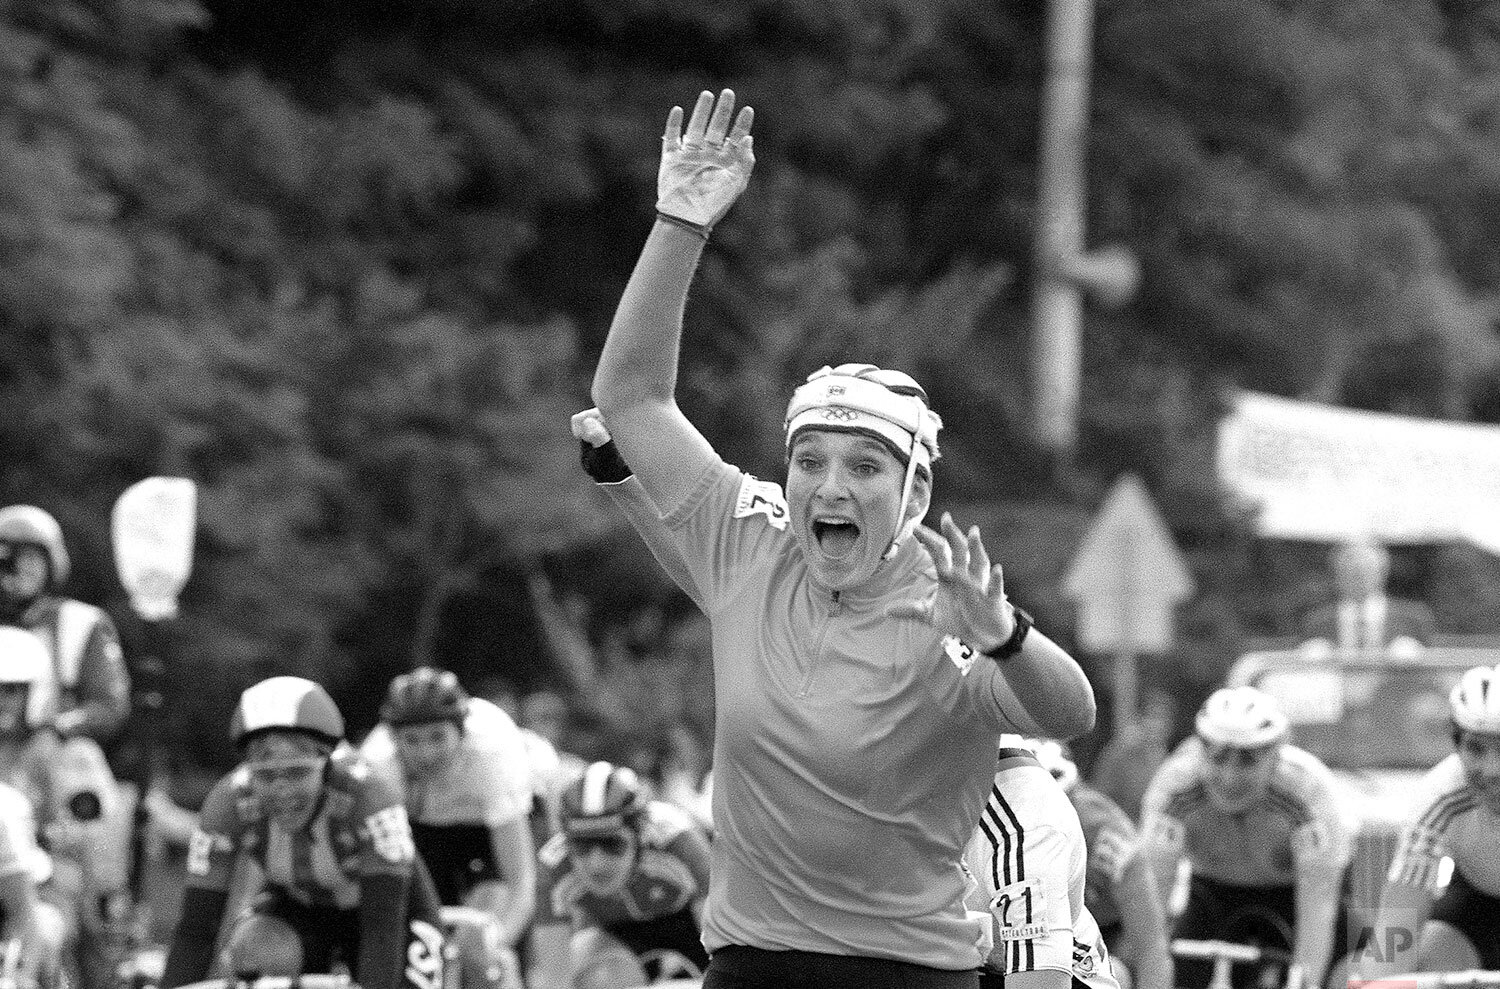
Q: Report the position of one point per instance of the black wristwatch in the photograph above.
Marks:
(1012, 645)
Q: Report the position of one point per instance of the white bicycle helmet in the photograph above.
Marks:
(34, 526)
(286, 703)
(1475, 700)
(1055, 759)
(1242, 717)
(862, 398)
(23, 658)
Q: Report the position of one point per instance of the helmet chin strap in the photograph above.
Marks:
(904, 528)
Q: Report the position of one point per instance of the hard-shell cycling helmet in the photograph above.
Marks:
(287, 703)
(889, 405)
(1242, 717)
(1475, 700)
(605, 799)
(34, 526)
(23, 658)
(424, 695)
(1056, 759)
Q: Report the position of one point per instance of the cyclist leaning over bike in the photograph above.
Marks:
(342, 881)
(1028, 862)
(462, 768)
(628, 875)
(1258, 821)
(77, 809)
(1421, 925)
(1120, 888)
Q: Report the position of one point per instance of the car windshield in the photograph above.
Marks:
(1368, 716)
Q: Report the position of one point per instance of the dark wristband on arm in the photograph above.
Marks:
(1012, 645)
(603, 463)
(700, 229)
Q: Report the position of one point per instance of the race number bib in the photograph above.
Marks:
(1021, 911)
(759, 497)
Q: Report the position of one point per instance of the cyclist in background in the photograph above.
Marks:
(1422, 926)
(1258, 820)
(76, 803)
(1028, 863)
(342, 881)
(1120, 889)
(462, 769)
(39, 930)
(627, 875)
(87, 687)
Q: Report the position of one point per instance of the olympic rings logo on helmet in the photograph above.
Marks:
(1475, 700)
(889, 404)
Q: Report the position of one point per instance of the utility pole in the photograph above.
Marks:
(1063, 270)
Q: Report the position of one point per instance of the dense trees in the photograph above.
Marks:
(347, 265)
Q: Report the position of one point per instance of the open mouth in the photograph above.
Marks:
(836, 537)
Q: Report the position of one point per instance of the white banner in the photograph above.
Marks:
(1325, 473)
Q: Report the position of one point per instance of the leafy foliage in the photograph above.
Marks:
(346, 265)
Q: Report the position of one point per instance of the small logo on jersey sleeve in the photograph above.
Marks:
(390, 834)
(201, 847)
(1159, 829)
(759, 497)
(960, 653)
(1113, 852)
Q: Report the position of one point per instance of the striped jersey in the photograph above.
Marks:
(1028, 861)
(360, 828)
(1449, 821)
(1297, 827)
(671, 872)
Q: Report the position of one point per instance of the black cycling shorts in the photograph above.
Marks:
(329, 935)
(1249, 914)
(1475, 915)
(674, 932)
(737, 966)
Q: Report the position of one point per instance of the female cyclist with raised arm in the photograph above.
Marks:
(865, 666)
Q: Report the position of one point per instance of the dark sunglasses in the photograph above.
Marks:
(1231, 755)
(609, 844)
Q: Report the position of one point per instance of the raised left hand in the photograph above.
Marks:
(705, 168)
(970, 598)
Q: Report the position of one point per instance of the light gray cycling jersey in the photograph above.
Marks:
(853, 752)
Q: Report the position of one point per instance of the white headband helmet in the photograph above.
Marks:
(862, 398)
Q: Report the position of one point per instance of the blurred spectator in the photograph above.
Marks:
(1363, 616)
(88, 690)
(1127, 762)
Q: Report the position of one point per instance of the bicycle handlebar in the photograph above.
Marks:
(275, 982)
(1213, 949)
(1474, 978)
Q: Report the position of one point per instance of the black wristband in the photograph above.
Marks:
(603, 463)
(702, 230)
(1012, 645)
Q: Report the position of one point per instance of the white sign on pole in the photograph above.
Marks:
(1324, 473)
(1128, 575)
(152, 527)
